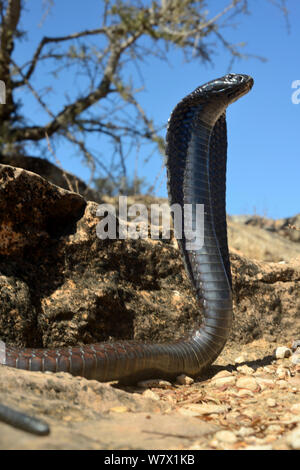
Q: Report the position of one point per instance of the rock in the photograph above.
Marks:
(295, 345)
(224, 378)
(245, 432)
(271, 402)
(287, 228)
(245, 370)
(293, 439)
(257, 243)
(203, 409)
(243, 392)
(228, 437)
(224, 381)
(150, 394)
(54, 267)
(265, 383)
(265, 295)
(119, 409)
(283, 372)
(52, 173)
(249, 383)
(184, 380)
(295, 359)
(295, 408)
(275, 428)
(154, 383)
(282, 352)
(268, 370)
(222, 374)
(282, 384)
(239, 360)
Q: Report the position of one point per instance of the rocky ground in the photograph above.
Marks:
(248, 400)
(62, 285)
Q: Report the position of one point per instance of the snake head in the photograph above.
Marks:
(228, 88)
(237, 85)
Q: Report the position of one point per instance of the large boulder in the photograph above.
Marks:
(61, 284)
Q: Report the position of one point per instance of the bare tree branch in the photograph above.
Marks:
(48, 40)
(130, 32)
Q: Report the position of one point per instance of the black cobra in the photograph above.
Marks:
(196, 164)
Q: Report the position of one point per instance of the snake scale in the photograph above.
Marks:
(196, 151)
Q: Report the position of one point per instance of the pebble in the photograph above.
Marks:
(271, 402)
(224, 381)
(265, 383)
(195, 409)
(240, 360)
(158, 383)
(223, 373)
(119, 409)
(243, 392)
(282, 372)
(196, 446)
(282, 351)
(245, 370)
(295, 408)
(184, 380)
(274, 428)
(244, 431)
(227, 437)
(293, 439)
(248, 383)
(282, 384)
(296, 344)
(268, 370)
(249, 412)
(265, 380)
(150, 394)
(295, 359)
(290, 419)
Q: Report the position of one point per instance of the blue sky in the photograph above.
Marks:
(263, 127)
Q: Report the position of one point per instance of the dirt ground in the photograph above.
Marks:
(247, 400)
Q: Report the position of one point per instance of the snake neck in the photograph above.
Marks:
(203, 176)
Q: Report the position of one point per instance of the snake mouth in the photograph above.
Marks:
(241, 89)
(250, 83)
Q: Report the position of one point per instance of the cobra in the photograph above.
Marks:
(196, 151)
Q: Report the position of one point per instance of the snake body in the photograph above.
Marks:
(196, 153)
